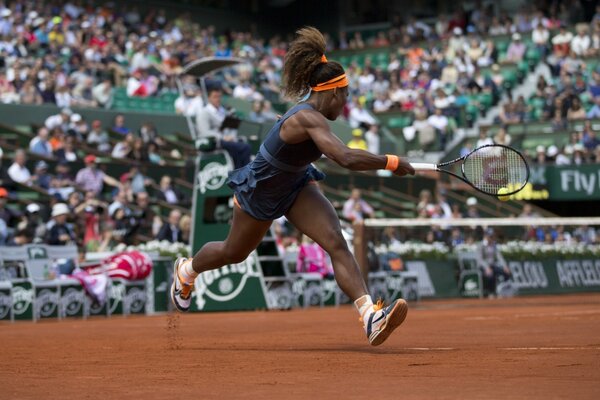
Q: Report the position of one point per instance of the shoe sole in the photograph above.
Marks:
(177, 306)
(394, 319)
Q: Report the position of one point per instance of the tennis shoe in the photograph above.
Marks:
(383, 320)
(181, 291)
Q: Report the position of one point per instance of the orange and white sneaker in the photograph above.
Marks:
(181, 292)
(383, 320)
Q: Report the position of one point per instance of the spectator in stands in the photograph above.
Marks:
(562, 157)
(594, 112)
(561, 44)
(9, 216)
(372, 139)
(60, 120)
(18, 172)
(167, 192)
(576, 111)
(190, 103)
(119, 125)
(185, 226)
(540, 36)
(67, 151)
(516, 49)
(551, 154)
(528, 212)
(356, 209)
(210, 124)
(39, 144)
(502, 137)
(149, 222)
(138, 151)
(359, 116)
(442, 203)
(581, 43)
(41, 176)
(98, 137)
(102, 93)
(171, 231)
(439, 122)
(153, 155)
(382, 103)
(591, 141)
(62, 182)
(483, 139)
(59, 231)
(357, 141)
(93, 179)
(312, 258)
(4, 234)
(256, 115)
(472, 211)
(494, 268)
(124, 227)
(425, 203)
(5, 180)
(124, 147)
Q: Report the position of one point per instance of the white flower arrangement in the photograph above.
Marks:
(417, 251)
(520, 250)
(515, 250)
(164, 248)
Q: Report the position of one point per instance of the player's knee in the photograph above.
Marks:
(337, 243)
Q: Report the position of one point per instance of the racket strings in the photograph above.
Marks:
(491, 168)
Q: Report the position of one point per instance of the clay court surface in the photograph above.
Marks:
(528, 347)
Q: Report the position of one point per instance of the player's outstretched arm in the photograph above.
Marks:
(337, 151)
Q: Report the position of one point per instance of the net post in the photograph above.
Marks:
(360, 250)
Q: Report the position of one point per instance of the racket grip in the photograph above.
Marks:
(424, 166)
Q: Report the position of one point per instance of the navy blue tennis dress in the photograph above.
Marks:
(267, 187)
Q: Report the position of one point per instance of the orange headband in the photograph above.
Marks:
(323, 59)
(337, 82)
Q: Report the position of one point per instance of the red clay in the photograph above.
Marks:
(536, 347)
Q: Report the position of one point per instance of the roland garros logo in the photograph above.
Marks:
(22, 299)
(212, 176)
(72, 301)
(226, 283)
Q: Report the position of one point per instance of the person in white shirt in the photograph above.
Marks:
(18, 172)
(372, 139)
(580, 44)
(209, 122)
(440, 123)
(359, 115)
(382, 103)
(190, 103)
(63, 119)
(540, 37)
(483, 139)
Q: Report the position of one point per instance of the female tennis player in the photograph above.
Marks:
(280, 181)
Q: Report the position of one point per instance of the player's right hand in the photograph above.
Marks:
(404, 168)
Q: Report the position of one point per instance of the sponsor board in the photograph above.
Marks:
(232, 287)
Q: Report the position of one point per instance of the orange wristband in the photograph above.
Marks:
(392, 162)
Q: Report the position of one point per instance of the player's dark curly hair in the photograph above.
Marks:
(303, 67)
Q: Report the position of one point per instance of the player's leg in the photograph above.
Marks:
(314, 215)
(244, 236)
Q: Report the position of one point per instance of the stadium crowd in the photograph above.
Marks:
(73, 54)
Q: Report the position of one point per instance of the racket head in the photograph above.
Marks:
(493, 167)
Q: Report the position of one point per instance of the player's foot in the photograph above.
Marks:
(384, 320)
(181, 292)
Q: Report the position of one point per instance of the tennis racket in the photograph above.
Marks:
(490, 169)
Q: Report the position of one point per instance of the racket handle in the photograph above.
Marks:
(424, 166)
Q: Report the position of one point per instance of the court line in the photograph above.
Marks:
(549, 348)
